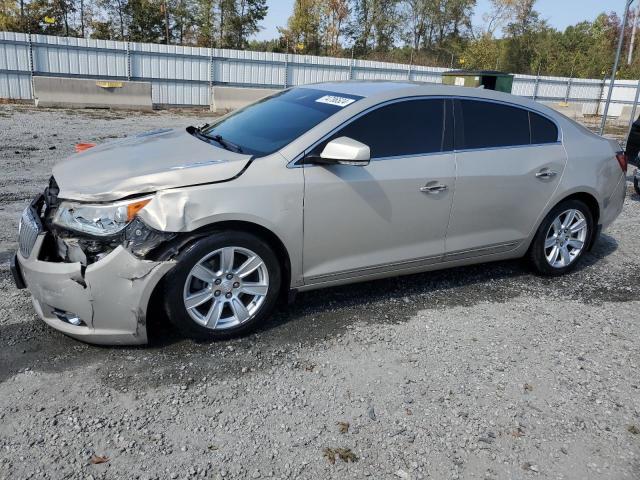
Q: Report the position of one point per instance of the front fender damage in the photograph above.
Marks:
(110, 296)
(119, 289)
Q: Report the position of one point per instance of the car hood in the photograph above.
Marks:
(145, 163)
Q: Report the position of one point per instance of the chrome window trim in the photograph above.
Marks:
(412, 155)
(294, 163)
(379, 159)
(506, 147)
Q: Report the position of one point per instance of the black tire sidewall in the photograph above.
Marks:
(636, 184)
(194, 252)
(536, 252)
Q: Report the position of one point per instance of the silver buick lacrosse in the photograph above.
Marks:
(315, 186)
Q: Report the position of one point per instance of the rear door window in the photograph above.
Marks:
(489, 125)
(411, 127)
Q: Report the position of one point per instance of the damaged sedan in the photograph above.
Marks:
(315, 186)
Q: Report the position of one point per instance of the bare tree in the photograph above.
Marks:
(337, 12)
(499, 14)
(418, 14)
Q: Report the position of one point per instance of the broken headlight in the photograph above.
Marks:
(98, 219)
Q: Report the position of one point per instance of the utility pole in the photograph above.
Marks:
(612, 80)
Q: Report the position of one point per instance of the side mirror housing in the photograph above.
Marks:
(344, 151)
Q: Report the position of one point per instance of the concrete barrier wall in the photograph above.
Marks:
(232, 98)
(84, 93)
(618, 113)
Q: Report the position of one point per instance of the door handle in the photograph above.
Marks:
(545, 173)
(432, 189)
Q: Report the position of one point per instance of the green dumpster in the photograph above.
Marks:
(489, 79)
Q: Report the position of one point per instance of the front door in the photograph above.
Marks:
(389, 215)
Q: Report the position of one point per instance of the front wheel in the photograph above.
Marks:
(562, 238)
(223, 286)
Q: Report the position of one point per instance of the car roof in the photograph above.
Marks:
(386, 90)
(363, 88)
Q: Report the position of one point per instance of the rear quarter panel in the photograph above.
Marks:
(591, 168)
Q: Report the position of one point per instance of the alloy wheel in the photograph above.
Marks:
(226, 288)
(566, 238)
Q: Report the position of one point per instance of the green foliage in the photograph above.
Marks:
(218, 23)
(145, 20)
(51, 17)
(483, 53)
(9, 16)
(302, 33)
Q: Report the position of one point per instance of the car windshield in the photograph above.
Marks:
(267, 126)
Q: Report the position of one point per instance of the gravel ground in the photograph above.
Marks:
(485, 372)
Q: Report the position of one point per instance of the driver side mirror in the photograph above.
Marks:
(344, 151)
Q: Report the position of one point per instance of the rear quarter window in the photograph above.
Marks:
(543, 130)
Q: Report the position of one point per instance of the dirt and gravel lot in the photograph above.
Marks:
(487, 372)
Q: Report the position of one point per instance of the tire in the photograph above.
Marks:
(208, 277)
(636, 182)
(554, 262)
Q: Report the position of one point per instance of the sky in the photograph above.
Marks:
(559, 13)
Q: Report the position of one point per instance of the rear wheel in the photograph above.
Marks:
(223, 286)
(562, 238)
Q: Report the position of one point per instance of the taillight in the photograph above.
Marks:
(622, 160)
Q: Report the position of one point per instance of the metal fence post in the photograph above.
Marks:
(635, 107)
(535, 88)
(568, 92)
(211, 79)
(128, 47)
(286, 68)
(602, 85)
(351, 64)
(210, 68)
(31, 66)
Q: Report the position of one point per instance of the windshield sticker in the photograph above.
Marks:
(334, 100)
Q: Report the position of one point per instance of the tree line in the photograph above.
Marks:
(207, 23)
(512, 35)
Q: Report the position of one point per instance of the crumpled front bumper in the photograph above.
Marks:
(110, 297)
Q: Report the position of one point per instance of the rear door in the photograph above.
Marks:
(509, 162)
(364, 220)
